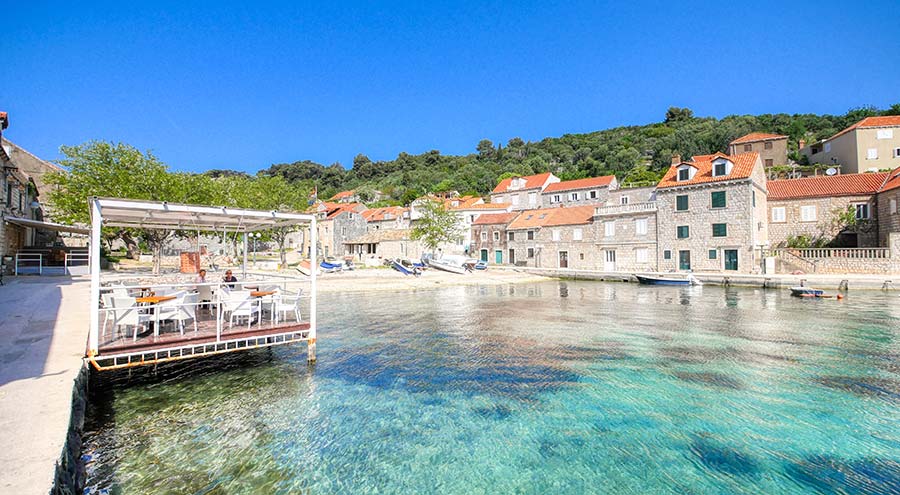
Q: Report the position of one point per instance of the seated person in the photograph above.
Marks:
(229, 277)
(201, 277)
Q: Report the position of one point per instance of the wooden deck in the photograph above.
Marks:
(121, 341)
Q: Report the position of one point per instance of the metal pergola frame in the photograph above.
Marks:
(161, 215)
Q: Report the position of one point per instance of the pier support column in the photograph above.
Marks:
(311, 351)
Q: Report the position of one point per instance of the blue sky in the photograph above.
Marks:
(236, 85)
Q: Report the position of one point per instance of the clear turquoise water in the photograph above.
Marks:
(558, 387)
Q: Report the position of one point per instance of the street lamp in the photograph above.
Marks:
(255, 236)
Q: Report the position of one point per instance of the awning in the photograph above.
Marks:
(37, 224)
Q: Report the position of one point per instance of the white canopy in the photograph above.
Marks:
(163, 215)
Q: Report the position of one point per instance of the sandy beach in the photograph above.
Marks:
(386, 279)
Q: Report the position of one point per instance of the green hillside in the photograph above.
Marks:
(636, 154)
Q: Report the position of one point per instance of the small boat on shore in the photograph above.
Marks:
(656, 280)
(448, 264)
(331, 267)
(405, 267)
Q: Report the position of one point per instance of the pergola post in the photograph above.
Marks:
(313, 268)
(244, 264)
(96, 223)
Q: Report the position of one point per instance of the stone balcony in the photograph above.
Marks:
(648, 206)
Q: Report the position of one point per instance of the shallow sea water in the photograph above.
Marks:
(556, 387)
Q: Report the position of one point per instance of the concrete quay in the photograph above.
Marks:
(819, 281)
(43, 332)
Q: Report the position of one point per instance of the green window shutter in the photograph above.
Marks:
(667, 255)
(712, 254)
(683, 232)
(681, 203)
(720, 230)
(718, 199)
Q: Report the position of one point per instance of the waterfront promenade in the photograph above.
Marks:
(43, 327)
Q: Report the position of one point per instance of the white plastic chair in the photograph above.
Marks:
(204, 293)
(239, 303)
(285, 303)
(185, 310)
(127, 313)
(168, 310)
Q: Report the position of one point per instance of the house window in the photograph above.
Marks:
(753, 197)
(530, 252)
(885, 134)
(778, 214)
(808, 213)
(769, 162)
(581, 256)
(827, 147)
(593, 194)
(681, 203)
(343, 231)
(719, 230)
(557, 198)
(684, 174)
(717, 199)
(748, 147)
(576, 235)
(530, 235)
(640, 226)
(719, 169)
(683, 232)
(896, 152)
(667, 255)
(893, 206)
(768, 145)
(640, 255)
(532, 198)
(483, 236)
(496, 236)
(555, 236)
(712, 254)
(872, 154)
(623, 200)
(862, 211)
(573, 196)
(515, 199)
(609, 228)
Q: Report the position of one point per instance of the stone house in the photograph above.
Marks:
(873, 143)
(376, 246)
(387, 218)
(489, 237)
(467, 210)
(625, 237)
(552, 238)
(711, 214)
(772, 148)
(18, 199)
(523, 193)
(625, 196)
(336, 223)
(888, 216)
(810, 206)
(578, 192)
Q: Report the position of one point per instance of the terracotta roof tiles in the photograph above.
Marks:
(882, 121)
(569, 185)
(495, 218)
(386, 213)
(757, 136)
(825, 186)
(549, 217)
(742, 169)
(531, 182)
(893, 180)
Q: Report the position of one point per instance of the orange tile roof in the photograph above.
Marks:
(379, 214)
(549, 217)
(343, 194)
(882, 121)
(893, 180)
(569, 185)
(825, 186)
(495, 218)
(743, 168)
(485, 206)
(757, 136)
(531, 182)
(342, 208)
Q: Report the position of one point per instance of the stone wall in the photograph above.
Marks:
(777, 153)
(590, 196)
(625, 242)
(519, 199)
(888, 215)
(489, 243)
(826, 212)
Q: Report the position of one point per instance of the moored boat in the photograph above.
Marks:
(654, 280)
(448, 264)
(800, 291)
(405, 266)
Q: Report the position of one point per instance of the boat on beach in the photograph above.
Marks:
(449, 264)
(406, 266)
(656, 280)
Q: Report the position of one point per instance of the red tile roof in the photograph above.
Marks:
(743, 168)
(495, 218)
(569, 185)
(883, 121)
(4, 120)
(343, 194)
(379, 214)
(334, 211)
(757, 136)
(893, 180)
(825, 186)
(531, 182)
(549, 217)
(484, 206)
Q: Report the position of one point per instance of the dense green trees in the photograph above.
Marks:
(638, 154)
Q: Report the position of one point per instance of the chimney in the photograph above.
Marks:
(801, 144)
(4, 121)
(676, 159)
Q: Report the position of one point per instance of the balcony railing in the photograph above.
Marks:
(878, 253)
(647, 206)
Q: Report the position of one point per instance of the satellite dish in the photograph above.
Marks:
(831, 171)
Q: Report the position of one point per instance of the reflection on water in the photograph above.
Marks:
(562, 387)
